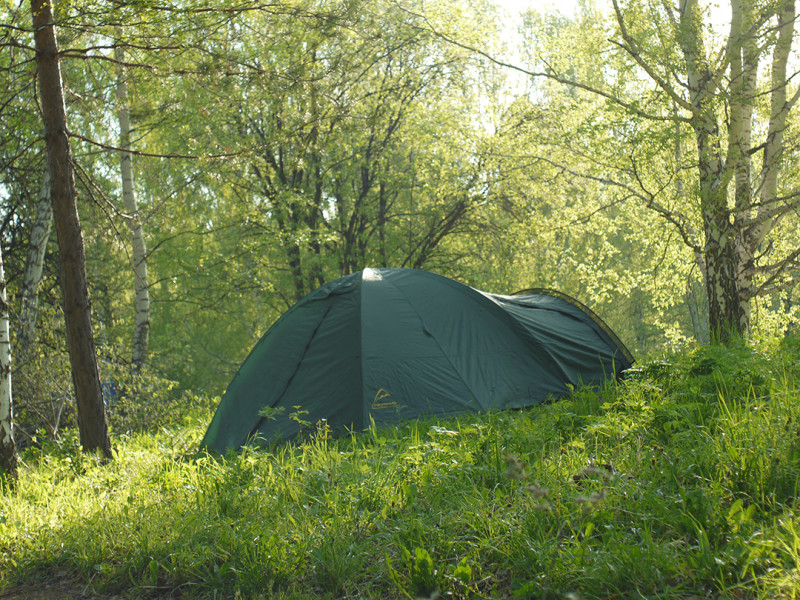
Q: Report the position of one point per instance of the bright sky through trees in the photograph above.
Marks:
(720, 11)
(514, 7)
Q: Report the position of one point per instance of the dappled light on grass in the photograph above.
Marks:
(678, 482)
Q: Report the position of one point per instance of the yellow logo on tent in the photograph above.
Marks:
(379, 396)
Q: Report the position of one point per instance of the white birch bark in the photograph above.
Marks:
(757, 225)
(8, 450)
(726, 313)
(142, 303)
(743, 73)
(722, 101)
(34, 264)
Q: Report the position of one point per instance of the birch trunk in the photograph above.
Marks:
(34, 265)
(744, 74)
(727, 313)
(142, 303)
(8, 449)
(72, 258)
(740, 206)
(757, 223)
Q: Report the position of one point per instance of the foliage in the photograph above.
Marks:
(315, 140)
(579, 236)
(277, 147)
(641, 108)
(678, 482)
(44, 402)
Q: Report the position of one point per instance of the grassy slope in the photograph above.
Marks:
(704, 456)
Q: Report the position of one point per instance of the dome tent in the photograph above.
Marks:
(395, 344)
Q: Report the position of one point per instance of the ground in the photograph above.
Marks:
(61, 587)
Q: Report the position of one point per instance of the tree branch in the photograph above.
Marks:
(632, 49)
(155, 155)
(550, 74)
(768, 214)
(676, 218)
(775, 271)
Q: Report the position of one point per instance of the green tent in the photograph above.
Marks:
(394, 344)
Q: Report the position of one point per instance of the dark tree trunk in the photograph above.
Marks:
(77, 310)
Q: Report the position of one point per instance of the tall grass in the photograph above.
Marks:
(679, 482)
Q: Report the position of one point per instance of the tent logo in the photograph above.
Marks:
(379, 396)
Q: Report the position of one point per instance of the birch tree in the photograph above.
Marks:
(34, 265)
(72, 258)
(739, 205)
(727, 205)
(8, 449)
(693, 123)
(139, 254)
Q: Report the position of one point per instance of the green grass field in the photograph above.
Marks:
(679, 482)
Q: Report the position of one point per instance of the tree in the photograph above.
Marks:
(8, 449)
(666, 121)
(34, 266)
(350, 134)
(718, 100)
(139, 254)
(77, 308)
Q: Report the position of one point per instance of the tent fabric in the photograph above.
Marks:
(386, 345)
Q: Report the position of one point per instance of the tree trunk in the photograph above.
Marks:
(765, 208)
(8, 449)
(77, 309)
(34, 265)
(142, 303)
(382, 224)
(728, 310)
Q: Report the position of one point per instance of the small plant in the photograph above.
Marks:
(271, 413)
(297, 416)
(323, 432)
(421, 574)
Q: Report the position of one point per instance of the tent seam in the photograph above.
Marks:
(435, 339)
(296, 369)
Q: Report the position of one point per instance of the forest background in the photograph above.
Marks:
(230, 158)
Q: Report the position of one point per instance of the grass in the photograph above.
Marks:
(678, 483)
